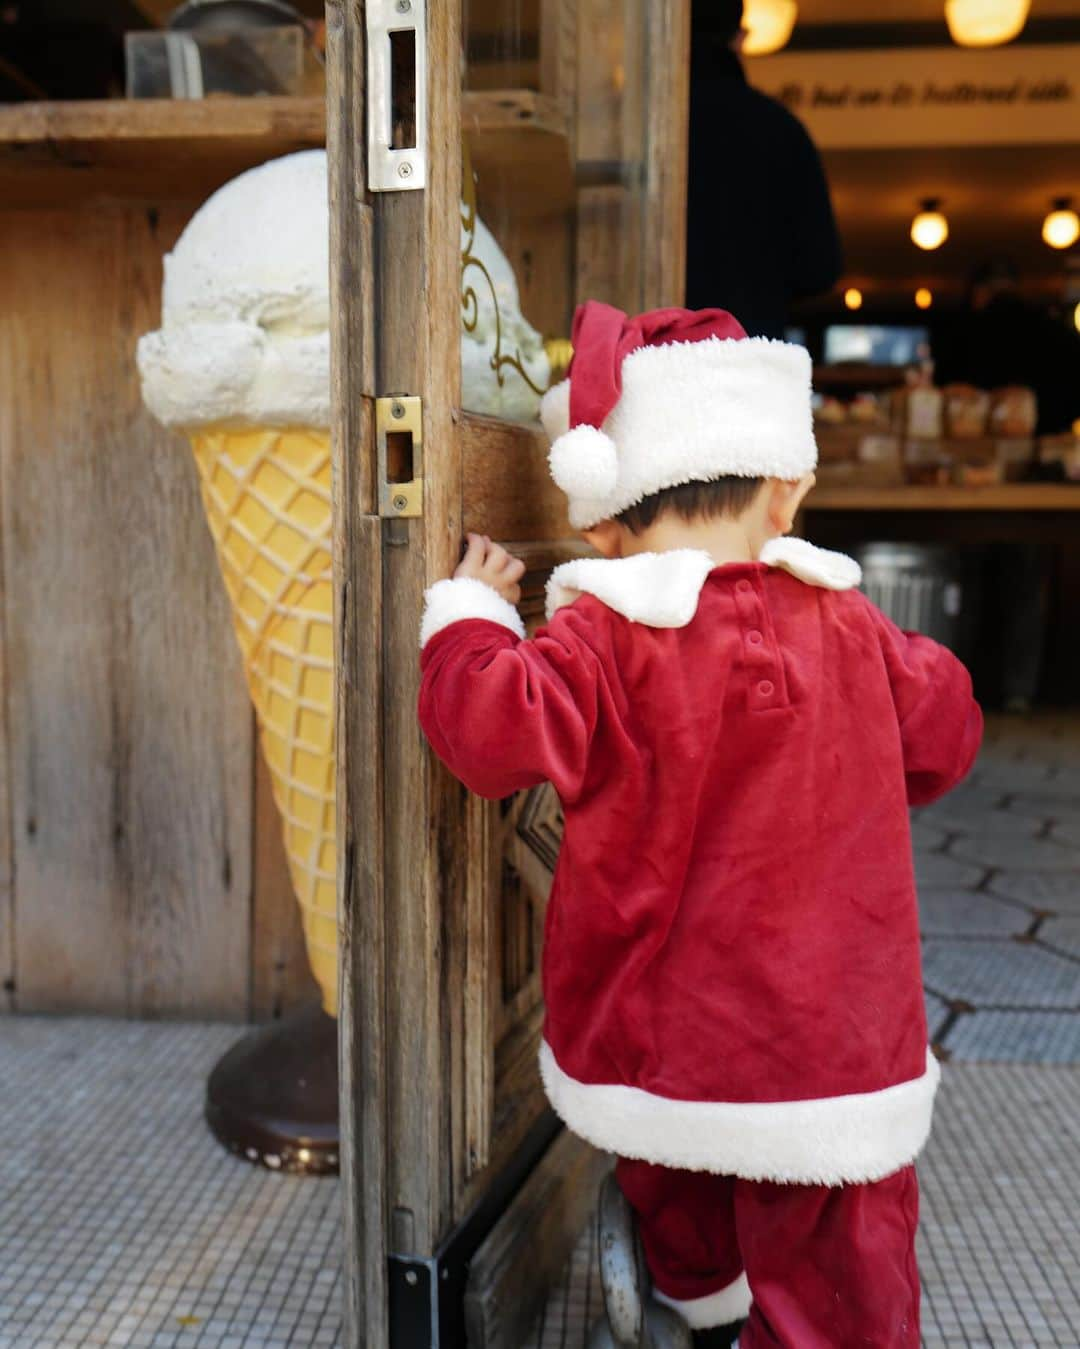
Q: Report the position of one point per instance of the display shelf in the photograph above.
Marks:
(858, 377)
(145, 149)
(1010, 496)
(154, 149)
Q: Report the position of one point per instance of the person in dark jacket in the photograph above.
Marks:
(760, 226)
(1003, 338)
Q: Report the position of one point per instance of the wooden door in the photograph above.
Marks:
(555, 155)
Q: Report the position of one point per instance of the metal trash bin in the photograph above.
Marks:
(924, 588)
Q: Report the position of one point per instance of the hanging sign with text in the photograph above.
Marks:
(914, 96)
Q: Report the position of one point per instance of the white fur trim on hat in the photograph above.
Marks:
(715, 1309)
(463, 597)
(584, 464)
(831, 1140)
(816, 566)
(696, 411)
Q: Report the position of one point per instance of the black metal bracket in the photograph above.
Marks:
(427, 1293)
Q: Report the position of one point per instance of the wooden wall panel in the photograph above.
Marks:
(129, 728)
(7, 875)
(281, 977)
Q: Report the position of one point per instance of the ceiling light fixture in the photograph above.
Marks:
(985, 23)
(924, 297)
(1061, 228)
(929, 229)
(768, 25)
(853, 297)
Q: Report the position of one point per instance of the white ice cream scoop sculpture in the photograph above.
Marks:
(241, 364)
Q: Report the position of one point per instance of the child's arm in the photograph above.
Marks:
(503, 713)
(941, 724)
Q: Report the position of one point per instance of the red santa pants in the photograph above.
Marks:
(828, 1268)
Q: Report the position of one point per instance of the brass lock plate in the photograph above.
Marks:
(399, 440)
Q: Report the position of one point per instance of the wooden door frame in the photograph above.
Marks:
(401, 817)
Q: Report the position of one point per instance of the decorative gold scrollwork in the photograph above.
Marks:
(470, 303)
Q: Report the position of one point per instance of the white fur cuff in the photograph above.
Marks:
(716, 1309)
(463, 597)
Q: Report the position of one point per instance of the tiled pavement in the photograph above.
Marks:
(122, 1223)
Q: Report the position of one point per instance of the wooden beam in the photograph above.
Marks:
(359, 694)
(418, 262)
(668, 104)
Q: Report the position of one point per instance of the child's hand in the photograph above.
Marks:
(488, 562)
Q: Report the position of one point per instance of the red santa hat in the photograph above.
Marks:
(671, 397)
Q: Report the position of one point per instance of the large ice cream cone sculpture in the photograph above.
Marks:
(241, 366)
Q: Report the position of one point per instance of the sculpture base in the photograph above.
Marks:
(273, 1098)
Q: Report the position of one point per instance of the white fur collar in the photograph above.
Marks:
(662, 590)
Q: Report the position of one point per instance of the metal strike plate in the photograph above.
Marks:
(399, 441)
(396, 95)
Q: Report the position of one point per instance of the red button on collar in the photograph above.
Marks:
(754, 637)
(765, 688)
(743, 586)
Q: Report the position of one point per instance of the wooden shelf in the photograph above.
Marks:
(514, 110)
(1009, 496)
(56, 154)
(856, 377)
(519, 142)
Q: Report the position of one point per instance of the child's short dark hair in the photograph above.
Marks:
(691, 501)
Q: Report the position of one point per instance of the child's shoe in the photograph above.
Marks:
(718, 1337)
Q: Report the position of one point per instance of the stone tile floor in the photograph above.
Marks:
(998, 863)
(123, 1223)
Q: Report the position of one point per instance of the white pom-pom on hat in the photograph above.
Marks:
(585, 464)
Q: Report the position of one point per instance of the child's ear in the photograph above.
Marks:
(785, 498)
(605, 537)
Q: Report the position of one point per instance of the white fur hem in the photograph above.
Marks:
(834, 1140)
(662, 589)
(463, 597)
(716, 1309)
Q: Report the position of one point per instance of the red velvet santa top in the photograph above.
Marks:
(731, 964)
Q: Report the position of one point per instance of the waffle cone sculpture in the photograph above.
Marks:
(241, 366)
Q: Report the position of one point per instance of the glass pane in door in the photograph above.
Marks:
(555, 138)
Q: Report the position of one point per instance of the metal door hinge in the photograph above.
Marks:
(399, 440)
(396, 95)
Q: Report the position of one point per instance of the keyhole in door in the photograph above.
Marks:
(399, 456)
(403, 90)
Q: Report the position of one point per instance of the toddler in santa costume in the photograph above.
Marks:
(731, 965)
